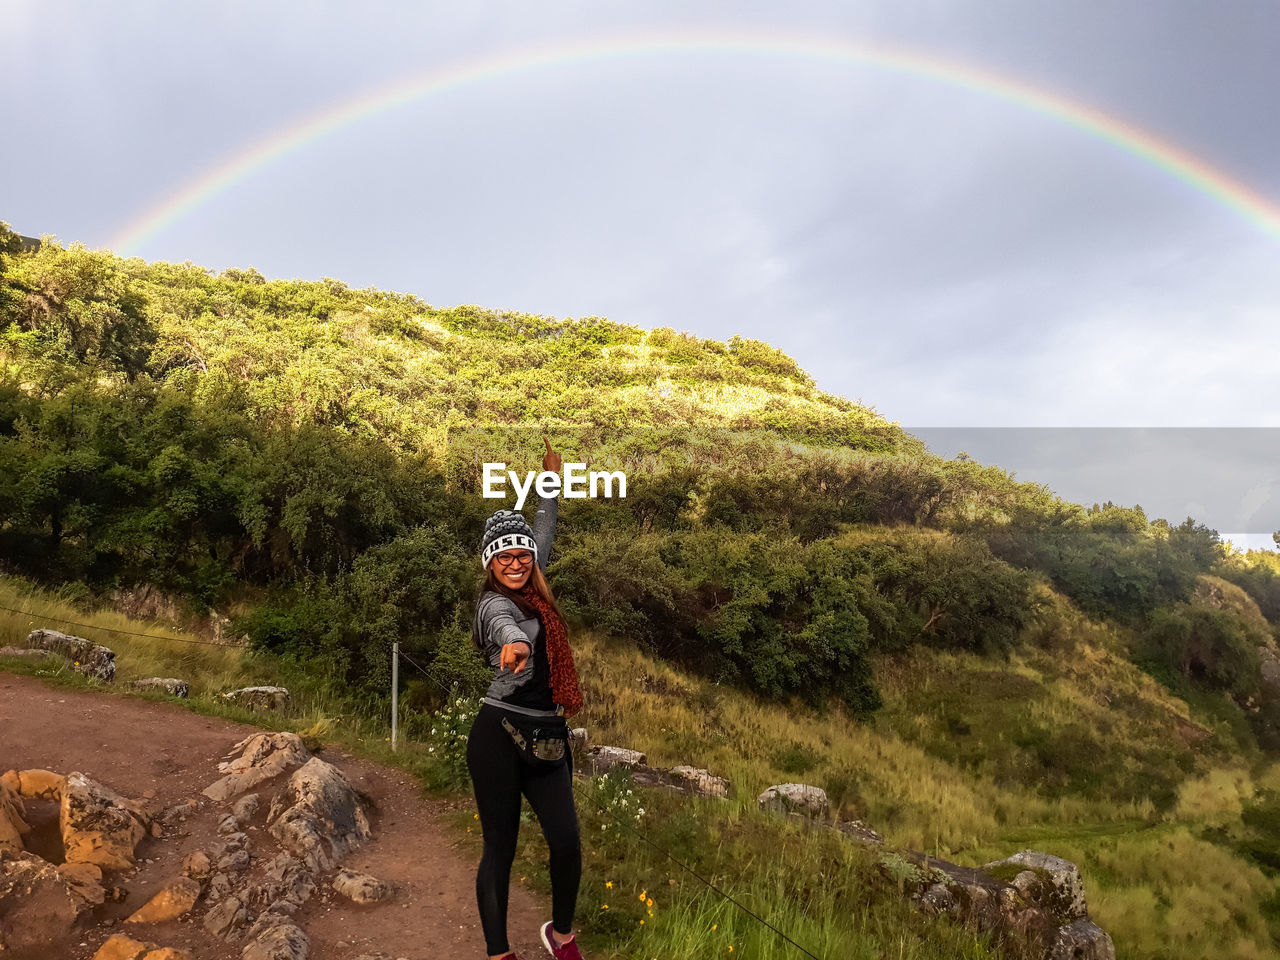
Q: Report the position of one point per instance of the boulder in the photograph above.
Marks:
(98, 825)
(173, 901)
(259, 698)
(317, 816)
(360, 887)
(89, 658)
(795, 797)
(12, 821)
(261, 757)
(39, 905)
(697, 780)
(1046, 880)
(84, 881)
(283, 941)
(578, 738)
(170, 685)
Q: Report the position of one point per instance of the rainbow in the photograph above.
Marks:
(1165, 156)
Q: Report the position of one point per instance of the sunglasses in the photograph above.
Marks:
(506, 560)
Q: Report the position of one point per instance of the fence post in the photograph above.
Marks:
(395, 691)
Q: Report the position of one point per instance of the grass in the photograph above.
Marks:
(1064, 747)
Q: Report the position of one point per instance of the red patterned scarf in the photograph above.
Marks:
(564, 678)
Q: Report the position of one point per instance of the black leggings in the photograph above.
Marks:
(498, 777)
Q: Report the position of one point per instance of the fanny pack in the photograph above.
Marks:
(542, 741)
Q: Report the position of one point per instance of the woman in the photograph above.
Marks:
(522, 635)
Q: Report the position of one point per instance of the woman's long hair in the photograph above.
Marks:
(539, 582)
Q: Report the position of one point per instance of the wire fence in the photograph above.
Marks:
(637, 833)
(403, 656)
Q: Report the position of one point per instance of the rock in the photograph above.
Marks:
(605, 758)
(287, 884)
(281, 942)
(40, 905)
(9, 781)
(26, 653)
(175, 900)
(360, 887)
(170, 685)
(12, 822)
(120, 947)
(226, 918)
(261, 757)
(859, 831)
(578, 738)
(245, 808)
(317, 816)
(40, 784)
(84, 881)
(219, 887)
(168, 953)
(197, 865)
(697, 780)
(1082, 940)
(237, 861)
(228, 824)
(1053, 884)
(98, 825)
(88, 658)
(795, 797)
(259, 698)
(179, 811)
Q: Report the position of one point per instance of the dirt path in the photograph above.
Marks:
(166, 754)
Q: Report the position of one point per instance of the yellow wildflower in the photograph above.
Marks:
(714, 925)
(609, 884)
(649, 902)
(604, 906)
(643, 894)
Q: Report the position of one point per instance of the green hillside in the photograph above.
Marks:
(792, 589)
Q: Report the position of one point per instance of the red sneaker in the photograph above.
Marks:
(561, 951)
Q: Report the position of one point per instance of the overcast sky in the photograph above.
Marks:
(943, 254)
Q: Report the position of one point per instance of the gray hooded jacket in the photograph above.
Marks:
(498, 621)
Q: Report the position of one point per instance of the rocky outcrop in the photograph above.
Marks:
(259, 698)
(256, 759)
(318, 817)
(98, 825)
(170, 685)
(87, 657)
(40, 903)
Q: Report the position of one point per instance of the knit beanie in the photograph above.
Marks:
(506, 530)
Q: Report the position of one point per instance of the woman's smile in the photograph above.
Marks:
(513, 567)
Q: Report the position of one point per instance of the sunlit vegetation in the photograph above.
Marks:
(793, 589)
